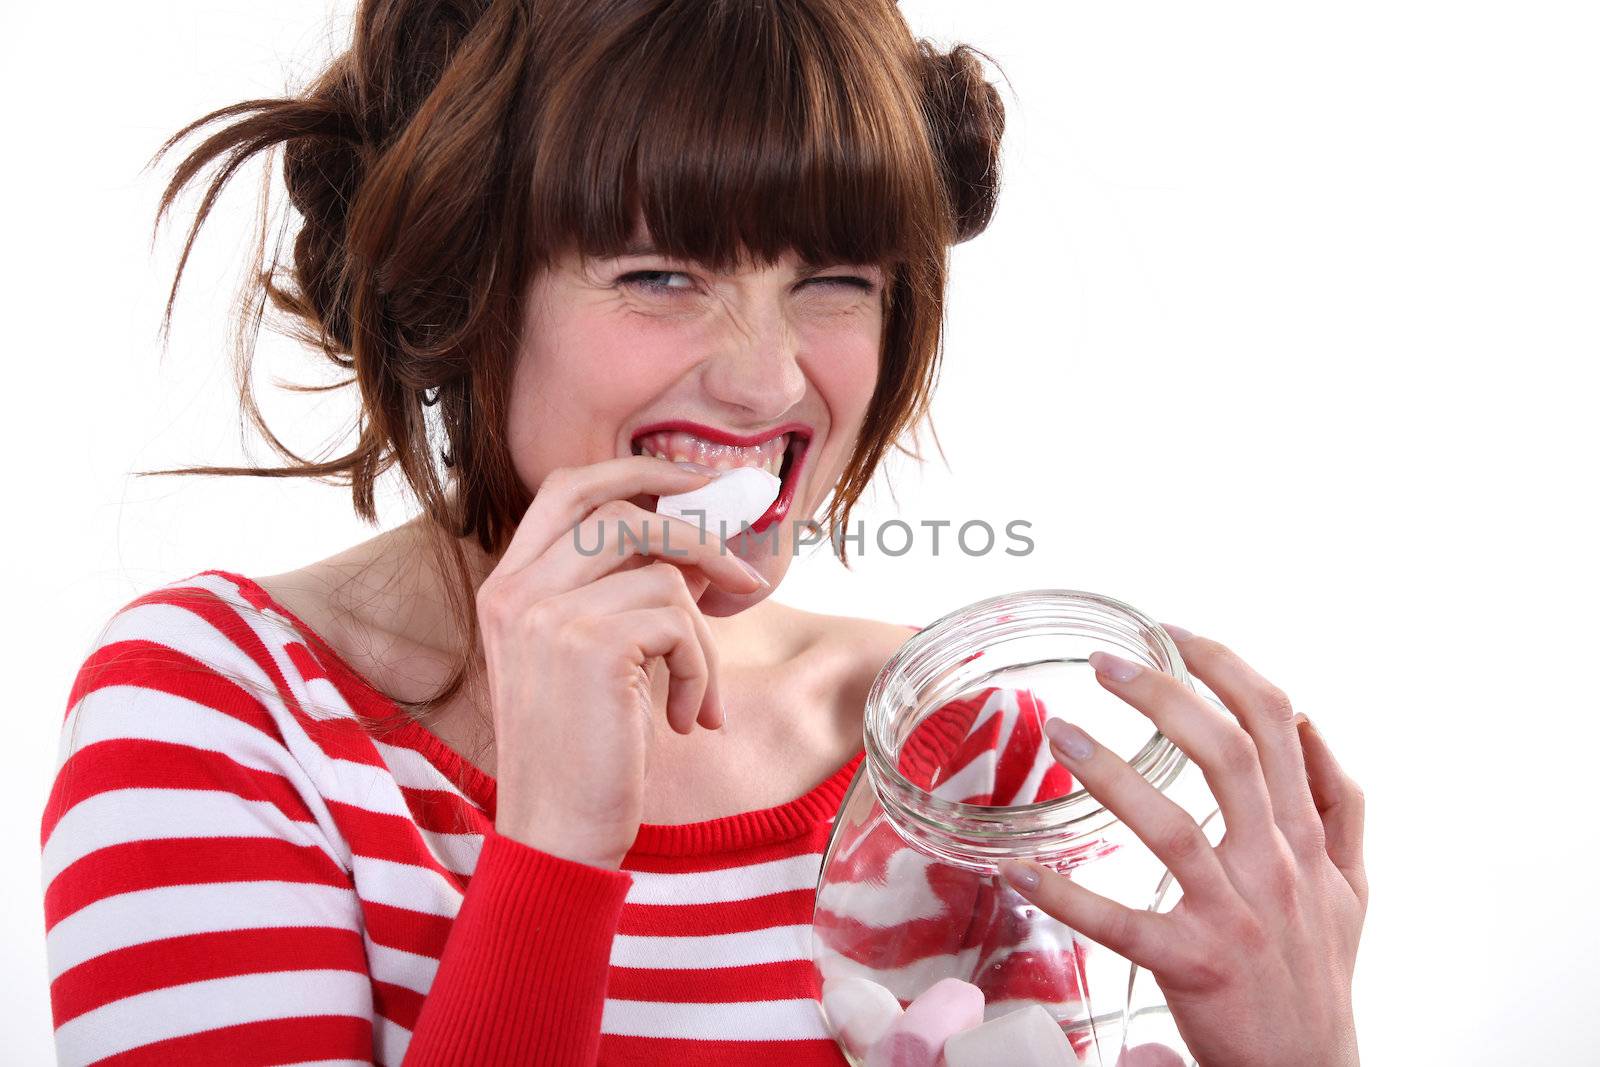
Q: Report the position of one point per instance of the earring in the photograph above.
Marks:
(430, 397)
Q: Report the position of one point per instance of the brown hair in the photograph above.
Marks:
(457, 147)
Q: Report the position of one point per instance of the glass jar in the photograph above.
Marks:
(958, 775)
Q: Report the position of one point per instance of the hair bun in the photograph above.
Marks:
(967, 119)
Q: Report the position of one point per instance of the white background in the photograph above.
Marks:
(1285, 331)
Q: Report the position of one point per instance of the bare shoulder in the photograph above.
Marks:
(366, 593)
(351, 600)
(311, 595)
(876, 638)
(842, 637)
(849, 652)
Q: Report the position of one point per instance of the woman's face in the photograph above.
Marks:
(613, 346)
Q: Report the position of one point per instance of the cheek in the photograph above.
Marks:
(576, 382)
(845, 372)
(845, 375)
(600, 361)
(858, 378)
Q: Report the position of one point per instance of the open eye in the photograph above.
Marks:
(645, 279)
(658, 281)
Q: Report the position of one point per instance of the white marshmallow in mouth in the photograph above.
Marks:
(736, 496)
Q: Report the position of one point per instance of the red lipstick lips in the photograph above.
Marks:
(799, 446)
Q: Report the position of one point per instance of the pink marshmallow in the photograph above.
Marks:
(859, 1010)
(917, 1038)
(903, 1050)
(1028, 1037)
(1151, 1055)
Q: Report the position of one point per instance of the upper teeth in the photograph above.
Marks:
(679, 446)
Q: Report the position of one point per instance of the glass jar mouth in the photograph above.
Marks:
(929, 668)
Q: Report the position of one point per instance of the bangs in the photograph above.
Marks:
(737, 132)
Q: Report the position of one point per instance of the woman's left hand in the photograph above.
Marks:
(1256, 958)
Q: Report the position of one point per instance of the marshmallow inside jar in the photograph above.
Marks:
(735, 497)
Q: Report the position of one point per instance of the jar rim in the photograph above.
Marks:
(982, 834)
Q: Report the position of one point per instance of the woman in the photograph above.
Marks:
(466, 793)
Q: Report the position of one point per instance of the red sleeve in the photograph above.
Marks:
(523, 976)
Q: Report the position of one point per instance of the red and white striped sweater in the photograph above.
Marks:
(238, 870)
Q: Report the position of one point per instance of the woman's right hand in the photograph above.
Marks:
(575, 643)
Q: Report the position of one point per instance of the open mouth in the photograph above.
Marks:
(783, 455)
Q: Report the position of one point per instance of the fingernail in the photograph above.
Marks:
(1114, 667)
(1177, 633)
(1069, 739)
(1021, 876)
(694, 468)
(749, 568)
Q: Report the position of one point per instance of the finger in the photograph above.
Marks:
(1266, 715)
(697, 583)
(1172, 834)
(568, 494)
(619, 530)
(1342, 806)
(1222, 750)
(669, 633)
(655, 585)
(1142, 937)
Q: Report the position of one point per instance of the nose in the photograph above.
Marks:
(755, 366)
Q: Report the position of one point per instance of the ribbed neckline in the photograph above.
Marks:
(730, 833)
